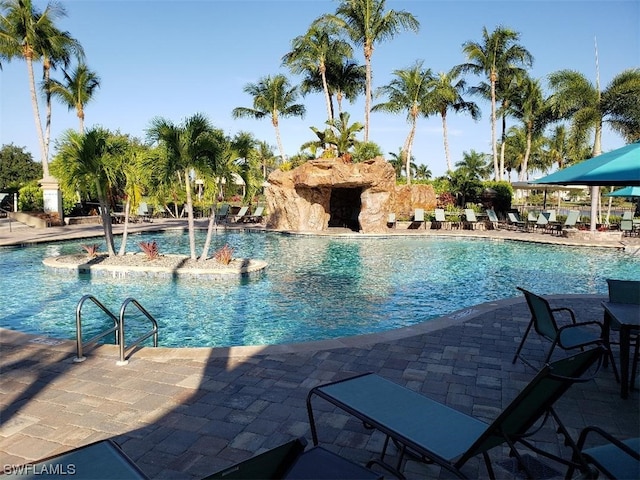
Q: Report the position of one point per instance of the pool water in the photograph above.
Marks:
(314, 287)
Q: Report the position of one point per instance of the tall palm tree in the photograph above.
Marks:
(311, 52)
(497, 55)
(347, 80)
(273, 97)
(88, 159)
(447, 95)
(30, 34)
(77, 90)
(187, 148)
(410, 92)
(367, 23)
(423, 172)
(530, 108)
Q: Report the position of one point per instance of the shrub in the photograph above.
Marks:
(92, 250)
(150, 249)
(224, 255)
(30, 198)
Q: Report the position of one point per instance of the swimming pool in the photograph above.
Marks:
(315, 287)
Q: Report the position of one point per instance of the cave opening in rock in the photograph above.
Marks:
(344, 208)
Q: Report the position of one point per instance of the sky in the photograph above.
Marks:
(173, 59)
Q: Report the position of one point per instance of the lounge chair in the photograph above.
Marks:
(143, 212)
(441, 220)
(391, 220)
(238, 217)
(616, 459)
(542, 222)
(418, 218)
(567, 337)
(222, 213)
(256, 216)
(470, 220)
(627, 228)
(103, 459)
(493, 219)
(572, 218)
(515, 222)
(437, 433)
(291, 461)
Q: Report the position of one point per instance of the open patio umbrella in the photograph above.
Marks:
(626, 192)
(620, 167)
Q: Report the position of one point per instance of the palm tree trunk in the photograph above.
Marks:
(494, 145)
(327, 98)
(274, 121)
(192, 228)
(525, 160)
(367, 101)
(408, 144)
(503, 137)
(125, 230)
(445, 136)
(47, 132)
(105, 216)
(207, 242)
(36, 114)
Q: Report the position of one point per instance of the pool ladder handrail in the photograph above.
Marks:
(117, 329)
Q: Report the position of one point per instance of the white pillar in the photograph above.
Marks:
(52, 196)
(595, 196)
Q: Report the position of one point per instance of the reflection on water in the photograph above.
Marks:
(314, 287)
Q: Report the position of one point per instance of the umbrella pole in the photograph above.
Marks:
(595, 194)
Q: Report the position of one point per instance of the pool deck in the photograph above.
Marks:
(185, 413)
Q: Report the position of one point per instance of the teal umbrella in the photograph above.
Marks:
(627, 192)
(620, 167)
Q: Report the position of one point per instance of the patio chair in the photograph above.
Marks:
(222, 213)
(627, 228)
(441, 220)
(391, 220)
(515, 222)
(143, 212)
(256, 216)
(291, 461)
(625, 291)
(470, 220)
(493, 219)
(567, 337)
(103, 459)
(239, 217)
(572, 218)
(542, 222)
(616, 459)
(425, 429)
(418, 218)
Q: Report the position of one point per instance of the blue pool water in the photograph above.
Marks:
(314, 287)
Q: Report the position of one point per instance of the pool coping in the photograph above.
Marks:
(165, 354)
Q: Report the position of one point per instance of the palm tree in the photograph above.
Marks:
(77, 90)
(588, 108)
(187, 148)
(347, 80)
(30, 34)
(398, 162)
(410, 92)
(86, 159)
(423, 172)
(338, 139)
(273, 97)
(366, 23)
(311, 52)
(498, 55)
(530, 108)
(447, 95)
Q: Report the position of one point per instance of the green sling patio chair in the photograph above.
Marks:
(493, 219)
(515, 222)
(616, 459)
(567, 337)
(433, 432)
(291, 461)
(222, 213)
(470, 219)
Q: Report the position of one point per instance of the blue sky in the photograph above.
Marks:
(176, 58)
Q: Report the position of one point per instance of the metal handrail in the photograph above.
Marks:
(79, 343)
(153, 331)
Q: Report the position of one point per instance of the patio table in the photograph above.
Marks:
(626, 316)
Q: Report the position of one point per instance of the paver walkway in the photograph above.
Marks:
(185, 413)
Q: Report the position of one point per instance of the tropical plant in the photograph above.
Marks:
(30, 34)
(30, 198)
(446, 95)
(575, 98)
(273, 97)
(400, 164)
(77, 90)
(17, 167)
(408, 92)
(423, 172)
(311, 52)
(187, 148)
(85, 160)
(338, 139)
(498, 55)
(224, 255)
(367, 23)
(346, 80)
(91, 249)
(363, 151)
(150, 249)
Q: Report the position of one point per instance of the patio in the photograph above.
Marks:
(185, 413)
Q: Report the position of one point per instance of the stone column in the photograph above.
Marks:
(52, 196)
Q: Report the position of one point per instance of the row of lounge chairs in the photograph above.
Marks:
(543, 222)
(471, 220)
(224, 215)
